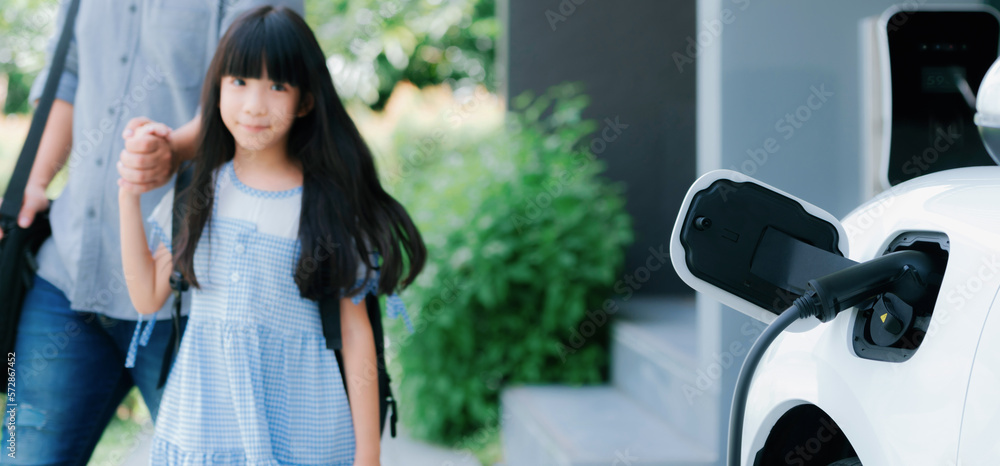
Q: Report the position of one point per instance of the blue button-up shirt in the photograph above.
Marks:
(127, 59)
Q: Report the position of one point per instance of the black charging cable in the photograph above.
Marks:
(902, 273)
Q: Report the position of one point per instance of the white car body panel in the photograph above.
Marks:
(913, 412)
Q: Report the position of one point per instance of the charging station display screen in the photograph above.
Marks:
(942, 78)
(932, 56)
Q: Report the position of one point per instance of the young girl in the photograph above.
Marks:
(284, 207)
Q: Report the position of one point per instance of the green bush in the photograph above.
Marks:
(523, 237)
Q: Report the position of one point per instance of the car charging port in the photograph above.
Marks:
(890, 329)
(891, 319)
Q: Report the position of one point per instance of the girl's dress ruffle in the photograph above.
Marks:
(393, 303)
(166, 453)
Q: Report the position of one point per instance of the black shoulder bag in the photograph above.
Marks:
(20, 245)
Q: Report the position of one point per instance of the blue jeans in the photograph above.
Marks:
(70, 377)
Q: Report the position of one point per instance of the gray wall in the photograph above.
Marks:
(621, 51)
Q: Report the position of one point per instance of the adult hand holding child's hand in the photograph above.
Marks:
(147, 162)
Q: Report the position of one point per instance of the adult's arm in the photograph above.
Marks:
(55, 145)
(57, 138)
(53, 150)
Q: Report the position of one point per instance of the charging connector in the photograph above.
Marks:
(901, 273)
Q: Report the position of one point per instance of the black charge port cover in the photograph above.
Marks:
(724, 227)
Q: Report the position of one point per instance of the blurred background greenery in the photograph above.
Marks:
(371, 45)
(523, 233)
(523, 239)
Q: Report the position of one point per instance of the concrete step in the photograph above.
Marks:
(590, 426)
(654, 360)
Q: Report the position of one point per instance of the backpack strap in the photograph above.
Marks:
(329, 308)
(177, 282)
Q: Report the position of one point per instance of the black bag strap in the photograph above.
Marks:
(14, 195)
(177, 282)
(329, 308)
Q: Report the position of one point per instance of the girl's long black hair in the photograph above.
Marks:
(346, 214)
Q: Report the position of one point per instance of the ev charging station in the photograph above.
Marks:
(880, 341)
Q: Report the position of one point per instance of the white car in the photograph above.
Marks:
(846, 391)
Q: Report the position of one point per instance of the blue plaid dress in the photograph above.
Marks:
(253, 382)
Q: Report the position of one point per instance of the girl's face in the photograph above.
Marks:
(259, 112)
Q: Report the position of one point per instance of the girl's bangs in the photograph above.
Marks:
(270, 40)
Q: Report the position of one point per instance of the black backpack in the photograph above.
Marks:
(329, 309)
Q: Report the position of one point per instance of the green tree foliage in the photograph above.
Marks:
(25, 26)
(373, 44)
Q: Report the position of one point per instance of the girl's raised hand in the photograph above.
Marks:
(147, 161)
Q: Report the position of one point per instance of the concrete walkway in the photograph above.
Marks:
(398, 451)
